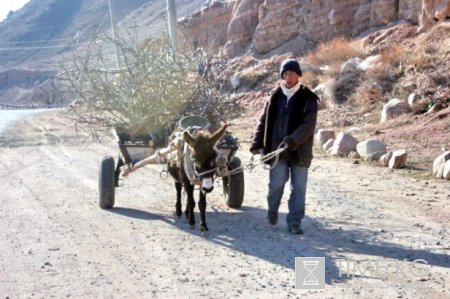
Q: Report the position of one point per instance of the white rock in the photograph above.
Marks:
(371, 148)
(325, 91)
(394, 108)
(351, 65)
(235, 81)
(439, 164)
(369, 63)
(344, 144)
(353, 130)
(412, 99)
(384, 159)
(328, 145)
(374, 156)
(409, 87)
(323, 135)
(398, 159)
(446, 174)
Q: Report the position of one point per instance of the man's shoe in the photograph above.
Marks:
(295, 229)
(273, 218)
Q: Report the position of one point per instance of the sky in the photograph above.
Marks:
(7, 5)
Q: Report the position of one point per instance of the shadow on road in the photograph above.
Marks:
(248, 232)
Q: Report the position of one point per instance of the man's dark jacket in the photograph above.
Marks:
(301, 123)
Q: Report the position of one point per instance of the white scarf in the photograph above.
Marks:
(289, 92)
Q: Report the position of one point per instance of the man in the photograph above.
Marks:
(288, 116)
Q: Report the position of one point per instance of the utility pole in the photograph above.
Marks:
(113, 34)
(172, 16)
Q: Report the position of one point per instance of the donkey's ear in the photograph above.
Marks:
(218, 134)
(189, 139)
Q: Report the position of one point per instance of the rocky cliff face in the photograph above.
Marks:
(266, 25)
(208, 26)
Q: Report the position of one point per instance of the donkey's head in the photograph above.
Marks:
(203, 155)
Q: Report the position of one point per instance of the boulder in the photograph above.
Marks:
(374, 156)
(384, 159)
(325, 91)
(351, 65)
(344, 144)
(412, 100)
(353, 130)
(323, 135)
(439, 164)
(369, 63)
(371, 149)
(446, 174)
(409, 87)
(394, 108)
(328, 145)
(398, 159)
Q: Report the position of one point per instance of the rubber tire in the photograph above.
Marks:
(106, 183)
(233, 186)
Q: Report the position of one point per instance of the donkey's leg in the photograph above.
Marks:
(202, 208)
(175, 172)
(178, 187)
(190, 203)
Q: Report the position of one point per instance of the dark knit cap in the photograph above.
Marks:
(290, 65)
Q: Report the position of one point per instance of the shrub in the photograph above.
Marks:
(334, 52)
(249, 77)
(153, 89)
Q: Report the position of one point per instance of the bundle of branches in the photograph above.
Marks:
(150, 91)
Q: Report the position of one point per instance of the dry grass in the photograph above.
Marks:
(419, 60)
(334, 52)
(363, 98)
(392, 57)
(250, 77)
(330, 56)
(310, 79)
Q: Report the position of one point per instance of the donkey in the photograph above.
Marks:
(198, 167)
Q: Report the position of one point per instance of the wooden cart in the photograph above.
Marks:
(139, 145)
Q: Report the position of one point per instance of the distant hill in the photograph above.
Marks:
(32, 38)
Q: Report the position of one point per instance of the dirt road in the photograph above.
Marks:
(56, 242)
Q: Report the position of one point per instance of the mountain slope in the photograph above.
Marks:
(32, 38)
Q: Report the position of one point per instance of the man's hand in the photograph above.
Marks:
(292, 146)
(255, 151)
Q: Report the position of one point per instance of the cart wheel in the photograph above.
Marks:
(233, 186)
(106, 183)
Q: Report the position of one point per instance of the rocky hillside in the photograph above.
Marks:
(32, 39)
(297, 25)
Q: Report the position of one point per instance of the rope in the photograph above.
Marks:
(205, 172)
(251, 165)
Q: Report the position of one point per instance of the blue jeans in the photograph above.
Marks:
(279, 175)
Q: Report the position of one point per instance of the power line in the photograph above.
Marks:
(37, 41)
(39, 47)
